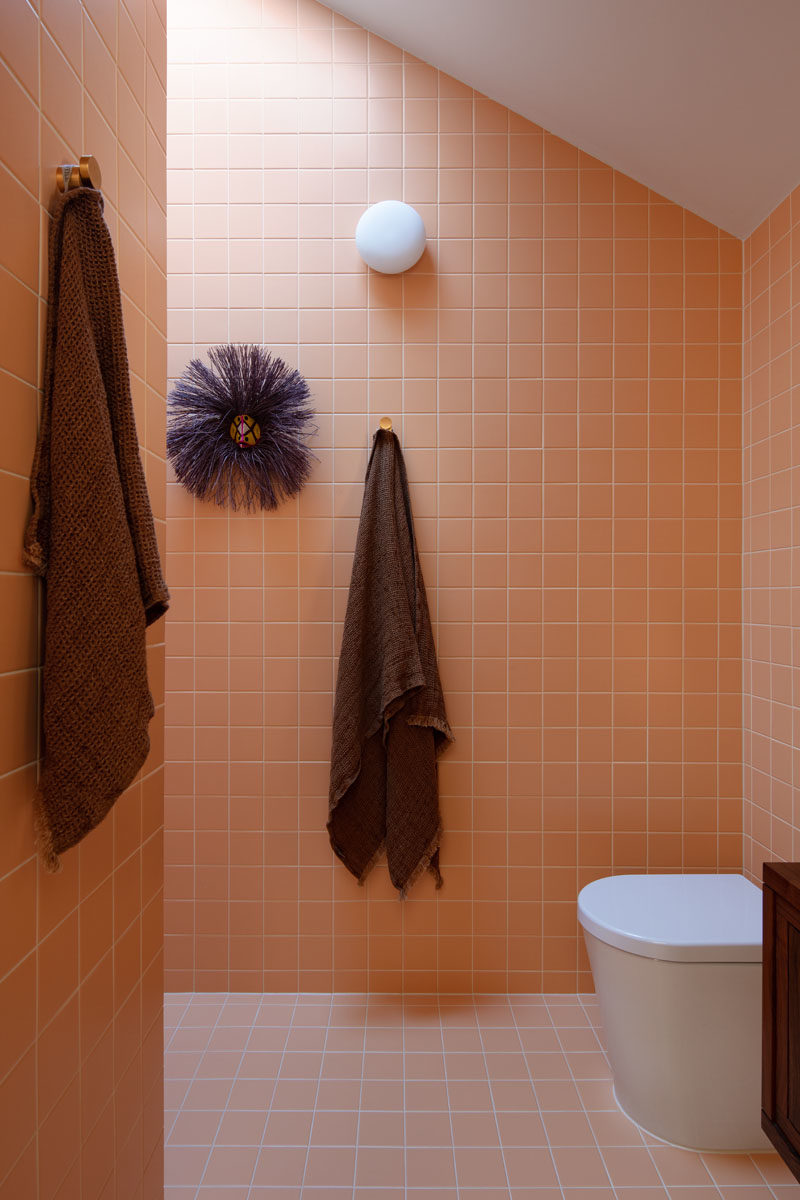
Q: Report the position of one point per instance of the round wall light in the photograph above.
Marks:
(390, 236)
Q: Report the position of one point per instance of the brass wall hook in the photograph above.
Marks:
(85, 173)
(386, 423)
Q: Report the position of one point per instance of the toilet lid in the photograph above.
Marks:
(683, 918)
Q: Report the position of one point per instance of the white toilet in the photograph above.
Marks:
(676, 961)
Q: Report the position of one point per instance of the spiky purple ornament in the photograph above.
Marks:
(238, 428)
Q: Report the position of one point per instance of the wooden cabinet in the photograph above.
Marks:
(780, 1090)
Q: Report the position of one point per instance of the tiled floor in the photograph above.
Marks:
(278, 1097)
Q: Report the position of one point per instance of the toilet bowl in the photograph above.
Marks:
(676, 961)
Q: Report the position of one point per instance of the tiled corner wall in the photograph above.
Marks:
(563, 371)
(81, 970)
(771, 534)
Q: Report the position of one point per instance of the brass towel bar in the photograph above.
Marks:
(85, 173)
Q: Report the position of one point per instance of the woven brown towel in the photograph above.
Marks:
(389, 720)
(91, 538)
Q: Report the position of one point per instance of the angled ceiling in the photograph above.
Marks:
(697, 99)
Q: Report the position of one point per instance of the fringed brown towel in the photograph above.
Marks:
(91, 538)
(389, 720)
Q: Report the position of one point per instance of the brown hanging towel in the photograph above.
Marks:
(91, 538)
(389, 720)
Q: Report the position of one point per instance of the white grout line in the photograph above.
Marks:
(533, 1086)
(274, 1087)
(447, 1093)
(491, 1094)
(382, 1012)
(193, 1078)
(583, 1109)
(316, 1094)
(360, 1095)
(586, 1111)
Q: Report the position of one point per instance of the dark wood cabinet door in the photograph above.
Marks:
(787, 1013)
(790, 1099)
(780, 1116)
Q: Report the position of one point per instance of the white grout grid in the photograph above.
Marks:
(416, 1097)
(563, 370)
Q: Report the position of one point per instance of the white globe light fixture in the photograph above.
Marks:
(390, 236)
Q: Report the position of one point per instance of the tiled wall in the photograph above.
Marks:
(771, 568)
(80, 952)
(563, 371)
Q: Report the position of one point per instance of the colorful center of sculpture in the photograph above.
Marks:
(245, 430)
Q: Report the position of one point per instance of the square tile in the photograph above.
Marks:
(429, 1139)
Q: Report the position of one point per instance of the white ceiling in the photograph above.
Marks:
(697, 99)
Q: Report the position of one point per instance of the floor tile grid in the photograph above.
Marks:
(567, 1017)
(170, 1034)
(576, 1008)
(177, 1089)
(318, 1000)
(228, 1007)
(507, 1168)
(176, 1004)
(441, 1048)
(636, 1139)
(450, 1101)
(557, 1010)
(316, 1105)
(176, 1093)
(743, 1177)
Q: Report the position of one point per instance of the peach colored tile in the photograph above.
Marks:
(490, 572)
(630, 1167)
(230, 1166)
(580, 1167)
(568, 1129)
(479, 1168)
(329, 1166)
(428, 1169)
(680, 1167)
(732, 1169)
(46, 44)
(530, 1167)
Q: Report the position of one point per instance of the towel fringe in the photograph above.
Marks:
(43, 837)
(425, 864)
(431, 722)
(362, 878)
